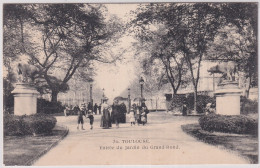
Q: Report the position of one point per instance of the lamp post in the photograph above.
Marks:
(141, 81)
(90, 90)
(129, 101)
(103, 95)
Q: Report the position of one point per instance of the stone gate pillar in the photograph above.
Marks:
(25, 99)
(228, 98)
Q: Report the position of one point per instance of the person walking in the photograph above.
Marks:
(132, 117)
(138, 115)
(115, 113)
(81, 113)
(66, 110)
(90, 106)
(123, 111)
(75, 110)
(99, 109)
(105, 118)
(95, 108)
(145, 110)
(91, 118)
(143, 117)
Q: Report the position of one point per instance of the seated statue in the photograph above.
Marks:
(27, 73)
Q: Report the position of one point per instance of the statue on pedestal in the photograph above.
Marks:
(228, 69)
(228, 93)
(25, 94)
(27, 73)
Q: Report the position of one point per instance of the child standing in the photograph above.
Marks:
(91, 118)
(132, 118)
(81, 113)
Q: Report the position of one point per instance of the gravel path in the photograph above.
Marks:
(161, 141)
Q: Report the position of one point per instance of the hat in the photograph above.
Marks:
(105, 98)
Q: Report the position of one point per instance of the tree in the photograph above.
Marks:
(153, 35)
(62, 38)
(237, 39)
(189, 26)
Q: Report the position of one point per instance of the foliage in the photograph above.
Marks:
(47, 107)
(178, 100)
(248, 106)
(28, 125)
(59, 38)
(239, 124)
(191, 30)
(8, 98)
(202, 101)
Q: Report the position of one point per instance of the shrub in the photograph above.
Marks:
(239, 124)
(177, 101)
(47, 107)
(248, 106)
(28, 125)
(13, 125)
(40, 123)
(202, 101)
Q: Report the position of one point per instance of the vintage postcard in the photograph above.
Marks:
(152, 83)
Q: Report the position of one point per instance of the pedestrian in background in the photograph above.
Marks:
(99, 109)
(143, 117)
(66, 110)
(115, 113)
(105, 118)
(90, 106)
(91, 118)
(95, 108)
(76, 109)
(132, 117)
(184, 108)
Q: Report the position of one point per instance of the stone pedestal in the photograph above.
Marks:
(228, 98)
(25, 99)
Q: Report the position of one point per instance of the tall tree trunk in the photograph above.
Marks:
(54, 96)
(195, 99)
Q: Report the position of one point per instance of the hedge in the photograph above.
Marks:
(248, 106)
(47, 107)
(28, 125)
(239, 124)
(202, 100)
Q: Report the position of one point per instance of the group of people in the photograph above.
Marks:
(139, 114)
(74, 110)
(111, 114)
(115, 113)
(82, 111)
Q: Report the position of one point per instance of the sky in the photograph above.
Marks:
(116, 78)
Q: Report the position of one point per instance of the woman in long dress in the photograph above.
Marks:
(105, 119)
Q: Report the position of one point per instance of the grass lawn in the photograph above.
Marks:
(245, 145)
(24, 150)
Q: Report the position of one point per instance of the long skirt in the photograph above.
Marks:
(106, 120)
(138, 118)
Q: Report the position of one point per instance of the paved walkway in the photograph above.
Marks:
(162, 138)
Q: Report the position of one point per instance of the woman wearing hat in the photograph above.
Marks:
(105, 118)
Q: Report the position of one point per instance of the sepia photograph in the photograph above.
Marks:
(142, 83)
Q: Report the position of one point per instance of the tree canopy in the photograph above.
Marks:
(58, 38)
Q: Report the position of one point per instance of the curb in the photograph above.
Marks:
(34, 159)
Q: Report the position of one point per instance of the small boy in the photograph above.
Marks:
(81, 112)
(91, 118)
